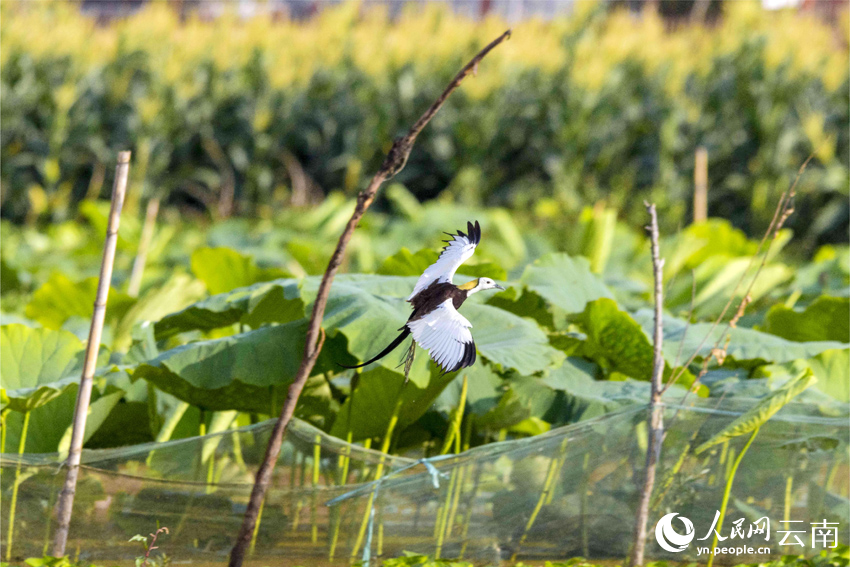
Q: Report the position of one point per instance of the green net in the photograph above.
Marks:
(566, 493)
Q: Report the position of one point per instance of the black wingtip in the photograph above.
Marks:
(468, 359)
(473, 233)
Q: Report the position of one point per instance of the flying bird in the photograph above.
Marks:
(435, 322)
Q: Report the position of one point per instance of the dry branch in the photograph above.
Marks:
(65, 504)
(655, 421)
(784, 209)
(393, 163)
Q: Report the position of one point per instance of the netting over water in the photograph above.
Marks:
(569, 492)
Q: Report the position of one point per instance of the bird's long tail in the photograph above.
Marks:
(404, 333)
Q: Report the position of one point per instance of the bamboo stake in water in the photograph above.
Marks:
(65, 505)
(13, 504)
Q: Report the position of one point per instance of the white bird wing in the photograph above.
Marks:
(445, 334)
(457, 251)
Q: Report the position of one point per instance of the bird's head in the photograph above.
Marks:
(479, 285)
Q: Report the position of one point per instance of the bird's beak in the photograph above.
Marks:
(500, 287)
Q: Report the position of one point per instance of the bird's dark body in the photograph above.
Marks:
(433, 296)
(429, 300)
(424, 303)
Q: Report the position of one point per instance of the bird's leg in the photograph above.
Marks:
(408, 360)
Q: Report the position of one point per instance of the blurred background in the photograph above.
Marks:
(246, 108)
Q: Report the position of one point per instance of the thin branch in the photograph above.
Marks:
(65, 504)
(783, 209)
(655, 420)
(394, 162)
(152, 545)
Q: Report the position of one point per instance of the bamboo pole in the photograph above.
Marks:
(66, 497)
(144, 244)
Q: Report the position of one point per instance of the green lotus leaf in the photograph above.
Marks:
(275, 301)
(367, 411)
(37, 365)
(225, 269)
(61, 298)
(826, 319)
(617, 342)
(744, 344)
(566, 283)
(511, 341)
(246, 372)
(484, 389)
(176, 293)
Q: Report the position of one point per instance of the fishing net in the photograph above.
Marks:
(569, 492)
